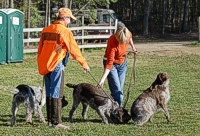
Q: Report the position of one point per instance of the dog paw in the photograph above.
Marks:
(31, 123)
(151, 120)
(13, 125)
(169, 120)
(139, 125)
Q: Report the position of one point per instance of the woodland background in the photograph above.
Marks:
(143, 17)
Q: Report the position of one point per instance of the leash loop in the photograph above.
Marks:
(132, 76)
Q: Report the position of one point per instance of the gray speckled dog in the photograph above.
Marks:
(151, 100)
(30, 96)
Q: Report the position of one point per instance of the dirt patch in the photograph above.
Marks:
(167, 48)
(167, 44)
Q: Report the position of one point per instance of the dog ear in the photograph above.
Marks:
(116, 105)
(125, 110)
(160, 76)
(163, 76)
(120, 113)
(15, 91)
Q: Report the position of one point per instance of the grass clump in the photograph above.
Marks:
(196, 44)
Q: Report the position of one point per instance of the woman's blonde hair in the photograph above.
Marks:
(122, 35)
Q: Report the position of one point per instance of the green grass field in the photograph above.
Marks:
(184, 105)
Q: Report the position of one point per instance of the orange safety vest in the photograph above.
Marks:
(55, 41)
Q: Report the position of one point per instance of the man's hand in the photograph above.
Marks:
(87, 69)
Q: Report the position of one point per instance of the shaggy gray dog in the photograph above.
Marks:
(151, 100)
(30, 96)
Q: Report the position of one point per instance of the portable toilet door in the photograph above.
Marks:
(3, 37)
(15, 35)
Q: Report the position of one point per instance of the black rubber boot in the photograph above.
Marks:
(48, 109)
(56, 114)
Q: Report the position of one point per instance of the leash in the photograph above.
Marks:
(132, 76)
(101, 87)
(42, 91)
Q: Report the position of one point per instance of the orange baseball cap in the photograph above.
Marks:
(64, 12)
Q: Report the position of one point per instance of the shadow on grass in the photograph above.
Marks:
(78, 120)
(5, 120)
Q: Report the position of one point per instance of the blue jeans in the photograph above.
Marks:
(116, 79)
(53, 81)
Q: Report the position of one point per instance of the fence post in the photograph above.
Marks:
(199, 28)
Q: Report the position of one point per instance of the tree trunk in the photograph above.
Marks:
(163, 17)
(48, 13)
(28, 19)
(198, 7)
(70, 4)
(185, 27)
(132, 13)
(199, 28)
(65, 3)
(147, 4)
(173, 15)
(10, 3)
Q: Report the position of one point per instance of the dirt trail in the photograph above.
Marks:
(159, 48)
(167, 48)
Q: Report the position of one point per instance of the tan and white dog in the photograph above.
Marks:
(151, 100)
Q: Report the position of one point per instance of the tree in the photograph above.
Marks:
(10, 3)
(65, 3)
(185, 27)
(174, 3)
(140, 16)
(147, 9)
(198, 8)
(163, 17)
(47, 13)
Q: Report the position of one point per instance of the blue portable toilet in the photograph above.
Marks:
(12, 25)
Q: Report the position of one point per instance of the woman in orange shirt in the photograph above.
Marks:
(115, 64)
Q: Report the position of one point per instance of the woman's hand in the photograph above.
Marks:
(135, 52)
(100, 85)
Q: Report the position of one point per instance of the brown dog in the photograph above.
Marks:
(103, 103)
(151, 100)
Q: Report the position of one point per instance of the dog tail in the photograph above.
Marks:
(70, 85)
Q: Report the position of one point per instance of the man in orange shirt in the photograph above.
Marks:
(115, 64)
(54, 80)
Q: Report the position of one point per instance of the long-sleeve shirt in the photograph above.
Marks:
(115, 53)
(58, 31)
